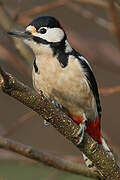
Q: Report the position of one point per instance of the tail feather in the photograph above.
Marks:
(93, 129)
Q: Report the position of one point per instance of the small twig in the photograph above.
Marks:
(18, 9)
(101, 3)
(90, 15)
(66, 126)
(103, 55)
(108, 91)
(18, 123)
(46, 158)
(7, 24)
(117, 2)
(25, 16)
(15, 61)
(98, 3)
(115, 20)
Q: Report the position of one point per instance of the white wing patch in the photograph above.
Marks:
(68, 48)
(81, 57)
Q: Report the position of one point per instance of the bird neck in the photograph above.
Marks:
(60, 50)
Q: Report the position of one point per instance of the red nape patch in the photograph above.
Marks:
(93, 129)
(62, 27)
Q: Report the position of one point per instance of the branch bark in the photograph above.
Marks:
(46, 158)
(66, 126)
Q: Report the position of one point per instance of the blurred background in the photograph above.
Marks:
(92, 27)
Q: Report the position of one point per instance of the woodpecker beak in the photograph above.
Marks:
(21, 34)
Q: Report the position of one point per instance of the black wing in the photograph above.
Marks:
(91, 79)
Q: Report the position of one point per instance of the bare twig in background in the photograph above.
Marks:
(8, 56)
(115, 20)
(18, 123)
(109, 61)
(117, 2)
(7, 23)
(98, 3)
(90, 15)
(25, 18)
(66, 126)
(108, 91)
(101, 3)
(46, 158)
(18, 9)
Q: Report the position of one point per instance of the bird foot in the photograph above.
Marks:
(57, 104)
(46, 123)
(80, 133)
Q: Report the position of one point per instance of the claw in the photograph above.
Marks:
(57, 104)
(81, 131)
(46, 123)
(88, 162)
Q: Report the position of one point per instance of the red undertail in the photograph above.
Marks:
(92, 127)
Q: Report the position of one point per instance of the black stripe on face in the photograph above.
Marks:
(40, 40)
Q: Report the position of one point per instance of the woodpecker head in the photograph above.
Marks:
(45, 35)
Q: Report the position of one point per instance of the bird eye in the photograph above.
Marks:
(42, 30)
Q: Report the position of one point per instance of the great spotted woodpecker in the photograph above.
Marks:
(64, 76)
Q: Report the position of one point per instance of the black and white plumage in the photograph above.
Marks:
(63, 74)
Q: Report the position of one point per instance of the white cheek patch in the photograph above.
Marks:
(52, 35)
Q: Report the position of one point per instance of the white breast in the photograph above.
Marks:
(68, 85)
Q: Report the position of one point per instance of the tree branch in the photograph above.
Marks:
(46, 158)
(66, 126)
